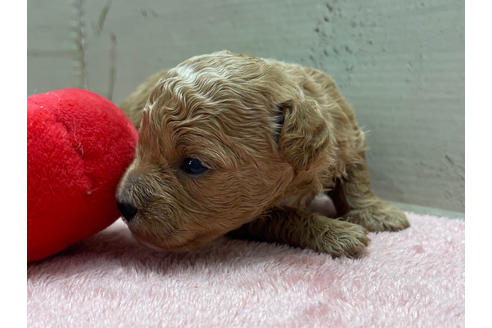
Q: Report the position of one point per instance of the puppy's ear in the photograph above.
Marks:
(304, 134)
(278, 123)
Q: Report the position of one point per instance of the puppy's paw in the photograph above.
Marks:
(340, 238)
(380, 216)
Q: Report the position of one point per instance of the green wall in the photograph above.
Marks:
(400, 63)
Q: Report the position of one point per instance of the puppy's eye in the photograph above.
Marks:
(193, 166)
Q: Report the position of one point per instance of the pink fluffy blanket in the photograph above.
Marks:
(413, 278)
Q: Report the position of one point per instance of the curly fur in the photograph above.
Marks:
(273, 135)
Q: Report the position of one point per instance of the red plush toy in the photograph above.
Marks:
(78, 147)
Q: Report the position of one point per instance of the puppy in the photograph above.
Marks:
(235, 144)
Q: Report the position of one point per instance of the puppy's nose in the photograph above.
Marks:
(127, 210)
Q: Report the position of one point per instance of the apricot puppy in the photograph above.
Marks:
(232, 143)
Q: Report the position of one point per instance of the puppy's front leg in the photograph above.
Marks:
(306, 230)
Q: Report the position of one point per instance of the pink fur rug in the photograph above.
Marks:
(414, 278)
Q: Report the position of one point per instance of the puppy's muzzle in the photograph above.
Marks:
(126, 209)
